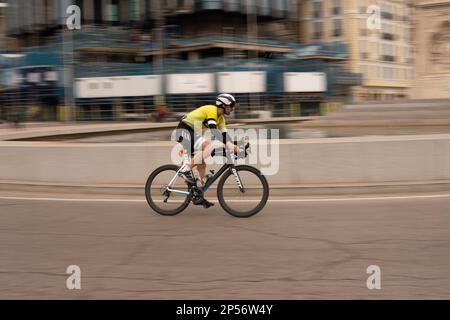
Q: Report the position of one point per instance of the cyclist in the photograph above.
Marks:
(189, 133)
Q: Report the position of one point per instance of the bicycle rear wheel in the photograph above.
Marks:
(156, 191)
(243, 204)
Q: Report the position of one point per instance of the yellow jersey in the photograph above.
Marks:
(206, 116)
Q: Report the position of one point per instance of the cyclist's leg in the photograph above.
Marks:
(202, 155)
(205, 148)
(185, 136)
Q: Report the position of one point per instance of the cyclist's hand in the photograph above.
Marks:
(232, 147)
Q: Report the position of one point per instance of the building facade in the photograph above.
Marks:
(34, 22)
(30, 15)
(3, 8)
(432, 43)
(192, 40)
(383, 53)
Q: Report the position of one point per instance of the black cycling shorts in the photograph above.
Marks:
(185, 135)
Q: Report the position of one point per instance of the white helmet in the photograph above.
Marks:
(225, 99)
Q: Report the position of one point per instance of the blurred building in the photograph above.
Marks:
(131, 56)
(383, 56)
(31, 22)
(3, 8)
(432, 43)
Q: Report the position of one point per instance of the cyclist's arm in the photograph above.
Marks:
(217, 127)
(227, 140)
(220, 134)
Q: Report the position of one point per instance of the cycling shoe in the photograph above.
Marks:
(206, 204)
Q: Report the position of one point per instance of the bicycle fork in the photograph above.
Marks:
(238, 180)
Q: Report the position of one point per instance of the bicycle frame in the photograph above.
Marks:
(210, 181)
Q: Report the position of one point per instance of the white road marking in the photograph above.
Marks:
(71, 199)
(430, 196)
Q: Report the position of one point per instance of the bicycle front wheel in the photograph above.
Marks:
(247, 202)
(159, 198)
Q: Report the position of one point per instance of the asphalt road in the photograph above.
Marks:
(292, 250)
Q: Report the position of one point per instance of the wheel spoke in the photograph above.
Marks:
(243, 204)
(157, 192)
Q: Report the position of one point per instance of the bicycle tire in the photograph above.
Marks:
(264, 198)
(148, 188)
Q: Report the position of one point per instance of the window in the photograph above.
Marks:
(386, 12)
(363, 27)
(388, 53)
(336, 9)
(364, 4)
(408, 34)
(317, 33)
(133, 10)
(373, 47)
(388, 73)
(409, 58)
(98, 12)
(388, 31)
(388, 49)
(264, 7)
(364, 69)
(212, 5)
(79, 3)
(279, 8)
(317, 9)
(233, 5)
(372, 72)
(405, 54)
(387, 36)
(363, 50)
(337, 27)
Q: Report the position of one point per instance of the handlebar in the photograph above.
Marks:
(237, 155)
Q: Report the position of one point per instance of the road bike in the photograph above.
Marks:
(242, 190)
